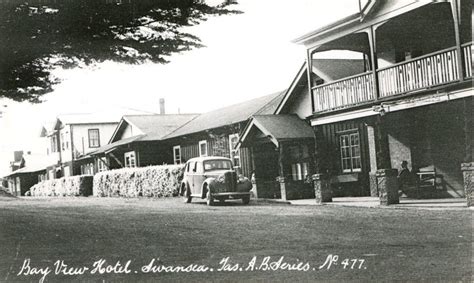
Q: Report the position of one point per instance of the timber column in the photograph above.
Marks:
(468, 166)
(387, 178)
(322, 188)
(281, 179)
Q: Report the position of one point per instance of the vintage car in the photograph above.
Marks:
(213, 178)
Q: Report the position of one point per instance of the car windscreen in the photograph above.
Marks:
(211, 165)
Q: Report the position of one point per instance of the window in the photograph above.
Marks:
(66, 141)
(101, 165)
(130, 160)
(350, 152)
(299, 171)
(203, 148)
(54, 143)
(62, 141)
(94, 140)
(234, 153)
(177, 154)
(211, 165)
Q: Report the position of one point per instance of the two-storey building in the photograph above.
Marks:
(389, 84)
(72, 138)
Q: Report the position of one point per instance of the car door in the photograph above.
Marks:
(198, 178)
(192, 174)
(187, 175)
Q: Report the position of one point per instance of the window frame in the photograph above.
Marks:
(129, 155)
(299, 171)
(350, 158)
(177, 160)
(200, 152)
(89, 131)
(101, 165)
(54, 143)
(233, 151)
(63, 148)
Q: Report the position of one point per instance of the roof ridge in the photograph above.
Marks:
(166, 136)
(156, 114)
(271, 101)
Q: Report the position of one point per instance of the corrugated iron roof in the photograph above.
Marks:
(284, 127)
(155, 127)
(230, 115)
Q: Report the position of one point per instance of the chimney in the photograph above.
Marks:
(17, 155)
(162, 106)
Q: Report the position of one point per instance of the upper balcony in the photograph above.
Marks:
(415, 51)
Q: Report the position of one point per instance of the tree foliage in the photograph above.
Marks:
(40, 35)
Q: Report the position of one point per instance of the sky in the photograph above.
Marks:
(246, 56)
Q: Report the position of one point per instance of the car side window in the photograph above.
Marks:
(195, 166)
(199, 169)
(188, 167)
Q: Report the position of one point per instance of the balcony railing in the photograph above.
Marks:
(467, 52)
(431, 70)
(427, 71)
(348, 91)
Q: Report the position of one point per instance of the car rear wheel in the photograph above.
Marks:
(246, 199)
(209, 199)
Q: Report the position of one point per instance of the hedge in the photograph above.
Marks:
(152, 181)
(66, 186)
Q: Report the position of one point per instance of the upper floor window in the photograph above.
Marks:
(54, 143)
(203, 148)
(94, 139)
(177, 154)
(350, 152)
(130, 159)
(234, 153)
(62, 142)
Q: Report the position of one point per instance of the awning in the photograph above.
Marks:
(112, 146)
(26, 170)
(276, 128)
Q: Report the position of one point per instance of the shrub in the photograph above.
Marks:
(66, 186)
(152, 181)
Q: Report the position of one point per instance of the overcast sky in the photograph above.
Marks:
(247, 56)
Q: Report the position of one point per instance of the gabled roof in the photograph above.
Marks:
(374, 12)
(230, 115)
(301, 75)
(326, 69)
(155, 127)
(151, 127)
(278, 128)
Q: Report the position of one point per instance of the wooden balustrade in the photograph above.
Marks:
(423, 72)
(427, 71)
(467, 52)
(348, 91)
